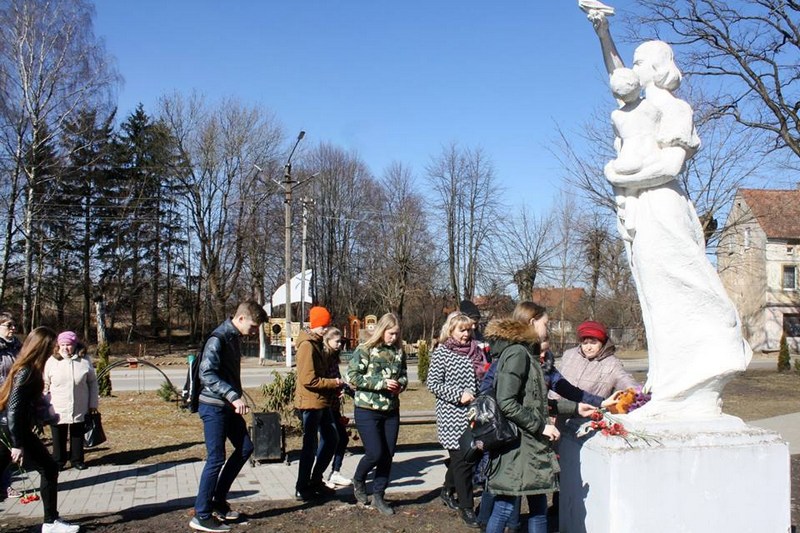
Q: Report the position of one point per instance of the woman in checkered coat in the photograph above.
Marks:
(452, 378)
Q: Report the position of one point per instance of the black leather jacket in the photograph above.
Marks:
(20, 409)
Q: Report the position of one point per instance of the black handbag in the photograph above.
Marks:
(94, 435)
(491, 430)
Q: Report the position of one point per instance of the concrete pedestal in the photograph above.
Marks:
(726, 477)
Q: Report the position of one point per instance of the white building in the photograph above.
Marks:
(758, 261)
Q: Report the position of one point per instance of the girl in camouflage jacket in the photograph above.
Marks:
(377, 372)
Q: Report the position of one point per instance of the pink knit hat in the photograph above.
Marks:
(67, 337)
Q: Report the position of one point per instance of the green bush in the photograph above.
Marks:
(784, 359)
(423, 361)
(797, 365)
(167, 392)
(104, 383)
(279, 397)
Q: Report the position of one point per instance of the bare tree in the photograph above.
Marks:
(218, 147)
(405, 265)
(466, 203)
(525, 249)
(749, 47)
(51, 66)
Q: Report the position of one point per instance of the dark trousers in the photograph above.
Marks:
(341, 447)
(459, 478)
(220, 424)
(76, 433)
(319, 444)
(378, 430)
(36, 455)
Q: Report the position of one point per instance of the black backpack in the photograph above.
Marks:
(192, 386)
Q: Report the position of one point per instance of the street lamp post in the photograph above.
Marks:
(287, 190)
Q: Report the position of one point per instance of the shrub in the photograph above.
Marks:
(167, 392)
(784, 359)
(423, 361)
(103, 383)
(279, 397)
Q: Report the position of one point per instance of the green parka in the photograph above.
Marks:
(530, 466)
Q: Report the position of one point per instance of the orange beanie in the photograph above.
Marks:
(319, 317)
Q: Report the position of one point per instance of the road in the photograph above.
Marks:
(147, 379)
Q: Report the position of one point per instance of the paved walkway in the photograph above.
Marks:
(107, 489)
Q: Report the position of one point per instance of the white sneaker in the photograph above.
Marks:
(59, 526)
(339, 480)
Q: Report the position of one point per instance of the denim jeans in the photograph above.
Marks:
(220, 424)
(341, 447)
(504, 507)
(487, 504)
(317, 451)
(378, 430)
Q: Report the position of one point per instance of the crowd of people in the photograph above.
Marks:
(48, 380)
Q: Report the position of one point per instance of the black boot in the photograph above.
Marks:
(360, 491)
(469, 518)
(447, 497)
(380, 504)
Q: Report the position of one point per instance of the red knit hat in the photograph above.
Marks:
(593, 329)
(319, 317)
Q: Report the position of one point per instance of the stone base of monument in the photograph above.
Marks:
(699, 476)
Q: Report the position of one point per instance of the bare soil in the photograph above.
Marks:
(143, 428)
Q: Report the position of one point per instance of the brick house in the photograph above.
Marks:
(758, 259)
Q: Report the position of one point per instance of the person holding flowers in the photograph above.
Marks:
(19, 397)
(378, 373)
(592, 365)
(528, 468)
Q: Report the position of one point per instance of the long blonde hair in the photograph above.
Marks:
(456, 318)
(526, 311)
(39, 345)
(387, 321)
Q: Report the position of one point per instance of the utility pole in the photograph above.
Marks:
(287, 250)
(306, 202)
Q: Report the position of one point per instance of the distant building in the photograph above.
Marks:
(758, 260)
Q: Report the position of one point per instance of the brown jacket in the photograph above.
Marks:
(313, 390)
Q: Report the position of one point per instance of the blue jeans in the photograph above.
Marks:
(314, 458)
(487, 504)
(378, 430)
(341, 447)
(220, 424)
(504, 507)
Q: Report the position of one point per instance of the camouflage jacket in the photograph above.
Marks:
(368, 371)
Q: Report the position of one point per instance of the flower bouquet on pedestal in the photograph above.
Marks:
(608, 424)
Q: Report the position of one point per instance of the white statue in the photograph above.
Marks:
(693, 331)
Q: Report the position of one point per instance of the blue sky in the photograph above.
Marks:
(389, 80)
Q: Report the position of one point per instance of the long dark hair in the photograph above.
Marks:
(38, 346)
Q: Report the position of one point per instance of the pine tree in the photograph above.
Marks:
(784, 359)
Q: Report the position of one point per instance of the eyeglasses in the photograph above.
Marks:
(9, 325)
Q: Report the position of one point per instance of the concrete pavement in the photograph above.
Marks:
(110, 489)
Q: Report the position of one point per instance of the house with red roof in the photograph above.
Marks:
(758, 260)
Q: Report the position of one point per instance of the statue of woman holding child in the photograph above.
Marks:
(693, 331)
